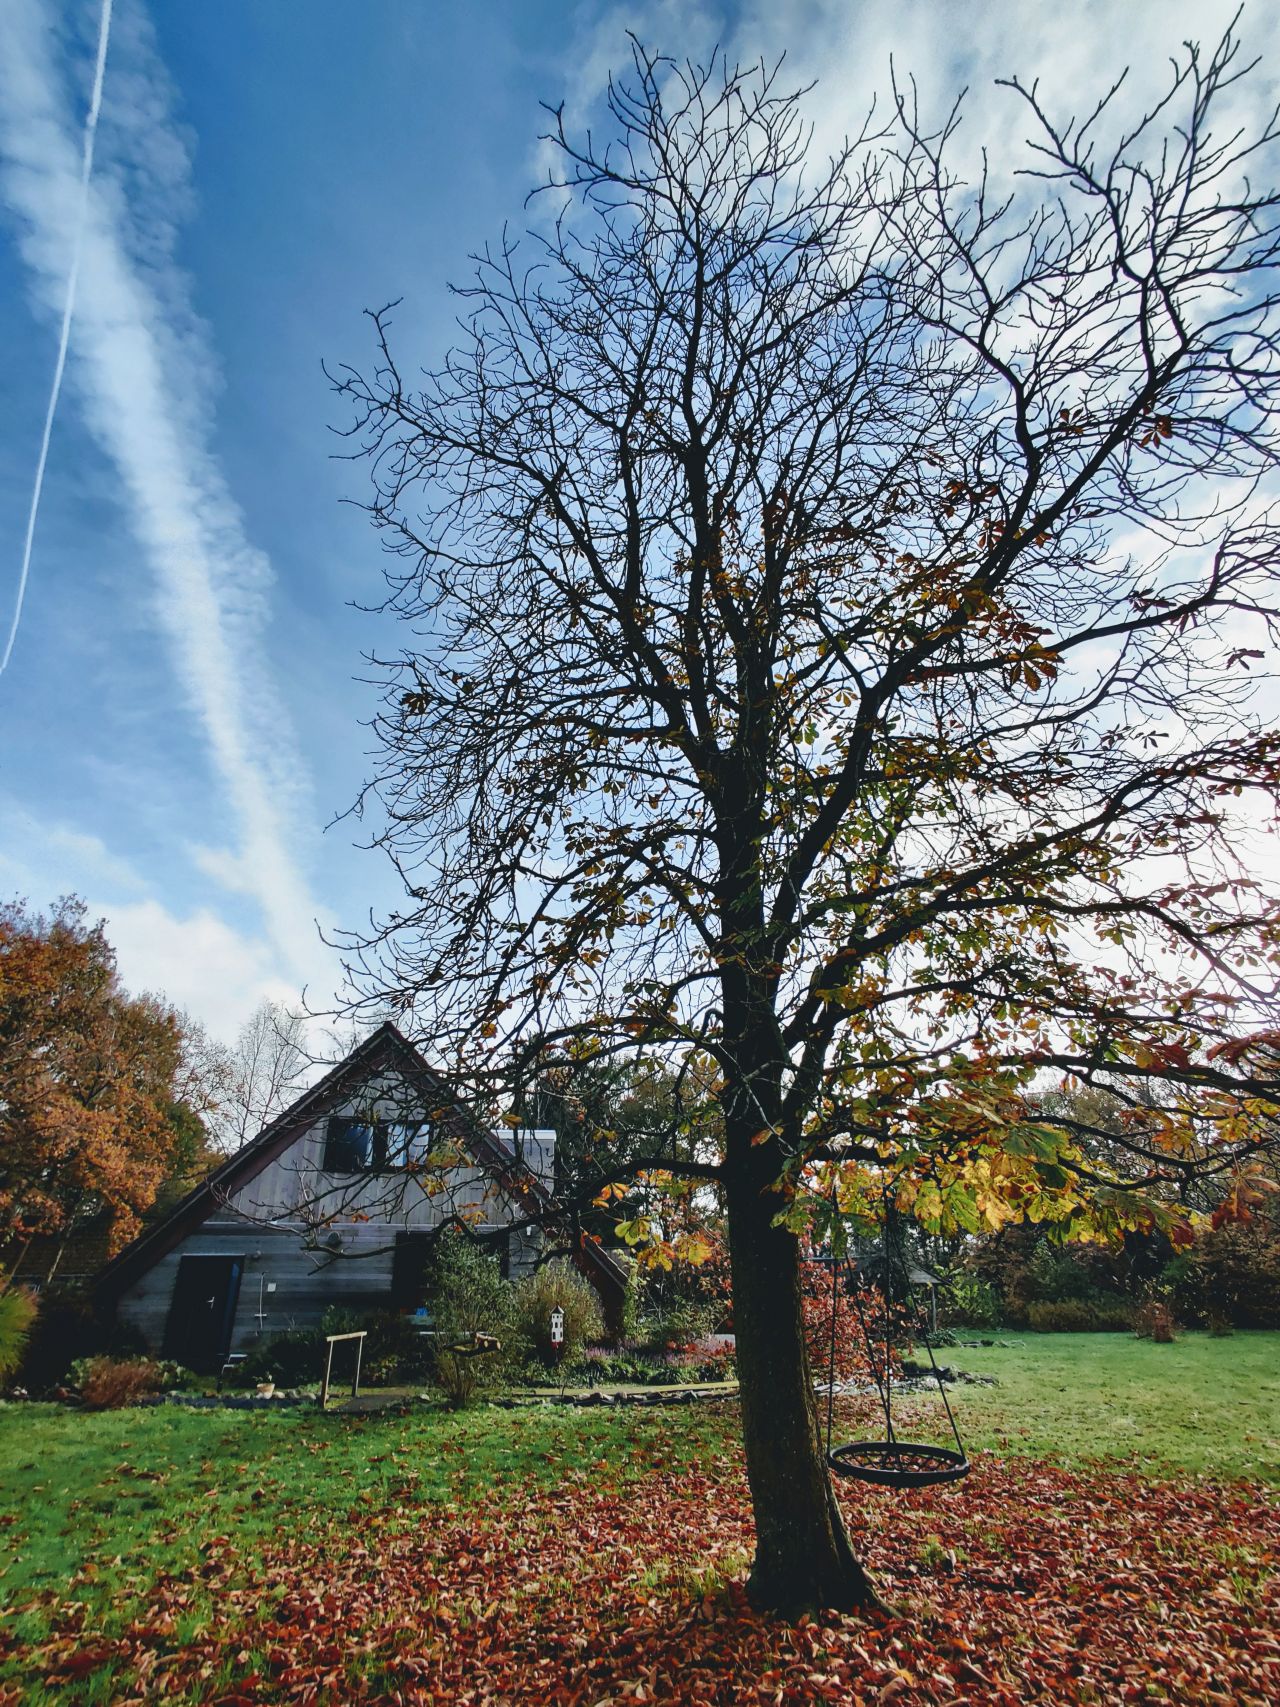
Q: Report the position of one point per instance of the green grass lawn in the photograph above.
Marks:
(121, 1496)
(110, 1502)
(1200, 1404)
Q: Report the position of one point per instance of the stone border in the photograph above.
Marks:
(597, 1396)
(577, 1398)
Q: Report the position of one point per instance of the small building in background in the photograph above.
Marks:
(338, 1202)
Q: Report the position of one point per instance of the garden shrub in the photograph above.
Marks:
(1057, 1276)
(163, 1374)
(708, 1363)
(109, 1383)
(683, 1304)
(1025, 1267)
(17, 1312)
(1081, 1316)
(666, 1324)
(850, 1346)
(469, 1297)
(1232, 1273)
(67, 1330)
(1004, 1264)
(853, 1359)
(555, 1283)
(395, 1351)
(605, 1367)
(293, 1358)
(965, 1301)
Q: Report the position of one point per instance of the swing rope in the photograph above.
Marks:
(831, 1359)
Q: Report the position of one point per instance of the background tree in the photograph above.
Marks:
(90, 1126)
(831, 587)
(238, 1090)
(619, 1121)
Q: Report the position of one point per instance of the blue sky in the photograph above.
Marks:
(182, 713)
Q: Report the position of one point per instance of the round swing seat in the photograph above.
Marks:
(898, 1463)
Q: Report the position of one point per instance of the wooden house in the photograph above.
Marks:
(336, 1203)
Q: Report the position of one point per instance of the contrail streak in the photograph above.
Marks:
(86, 167)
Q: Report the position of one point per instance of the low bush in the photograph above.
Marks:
(66, 1331)
(965, 1301)
(850, 1347)
(555, 1284)
(602, 1366)
(668, 1324)
(1153, 1320)
(109, 1383)
(294, 1358)
(704, 1363)
(686, 1302)
(1024, 1267)
(17, 1313)
(941, 1337)
(1081, 1316)
(1231, 1273)
(1059, 1274)
(395, 1351)
(166, 1375)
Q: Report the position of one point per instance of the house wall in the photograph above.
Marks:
(285, 1285)
(297, 1178)
(306, 1284)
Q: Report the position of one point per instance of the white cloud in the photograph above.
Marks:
(1075, 52)
(199, 963)
(945, 45)
(196, 961)
(142, 366)
(66, 859)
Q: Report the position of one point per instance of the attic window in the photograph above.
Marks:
(350, 1146)
(358, 1146)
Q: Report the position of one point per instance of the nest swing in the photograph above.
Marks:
(891, 1462)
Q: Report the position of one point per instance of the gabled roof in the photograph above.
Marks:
(386, 1048)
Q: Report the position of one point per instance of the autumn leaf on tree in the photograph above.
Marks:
(89, 1120)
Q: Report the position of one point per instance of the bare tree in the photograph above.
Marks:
(831, 591)
(204, 1077)
(237, 1090)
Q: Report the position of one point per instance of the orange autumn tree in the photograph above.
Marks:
(88, 1122)
(832, 592)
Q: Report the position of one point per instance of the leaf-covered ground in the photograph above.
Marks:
(616, 1579)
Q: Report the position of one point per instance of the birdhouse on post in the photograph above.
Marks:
(557, 1326)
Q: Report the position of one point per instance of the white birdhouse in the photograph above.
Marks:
(557, 1326)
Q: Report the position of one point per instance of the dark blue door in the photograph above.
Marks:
(203, 1310)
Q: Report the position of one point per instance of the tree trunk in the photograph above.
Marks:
(803, 1556)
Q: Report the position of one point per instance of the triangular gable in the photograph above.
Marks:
(386, 1048)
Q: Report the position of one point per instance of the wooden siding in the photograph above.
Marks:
(297, 1178)
(306, 1283)
(263, 1222)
